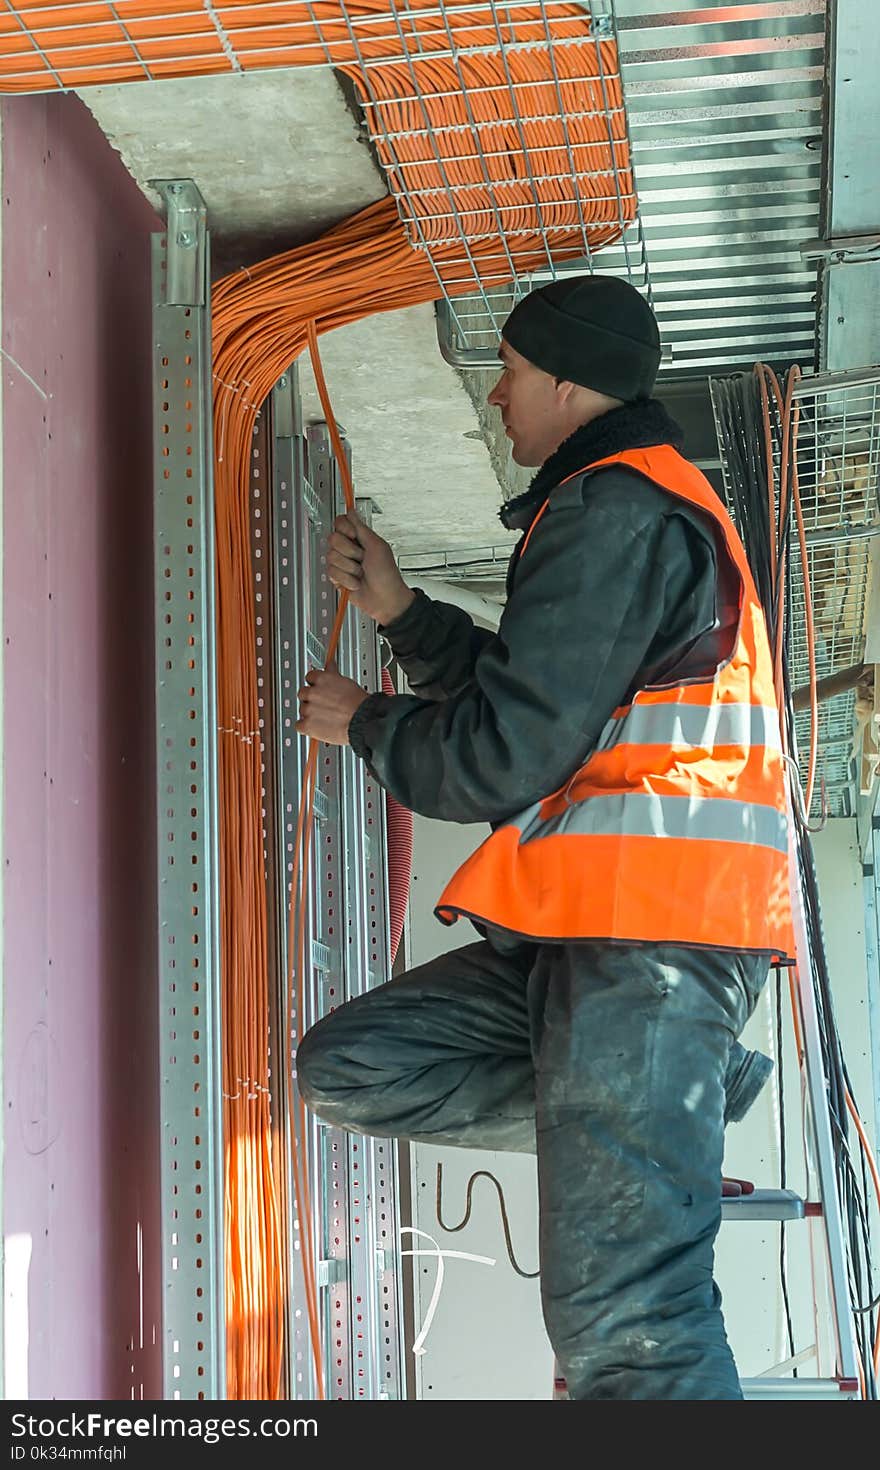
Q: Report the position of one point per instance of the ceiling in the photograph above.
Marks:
(279, 158)
(725, 114)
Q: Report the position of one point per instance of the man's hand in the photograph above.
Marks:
(361, 562)
(327, 702)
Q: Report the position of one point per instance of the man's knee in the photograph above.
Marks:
(314, 1073)
(334, 1084)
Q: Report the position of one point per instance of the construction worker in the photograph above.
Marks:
(620, 734)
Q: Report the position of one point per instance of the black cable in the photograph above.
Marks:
(505, 1222)
(871, 1307)
(783, 1272)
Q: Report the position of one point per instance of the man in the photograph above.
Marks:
(620, 735)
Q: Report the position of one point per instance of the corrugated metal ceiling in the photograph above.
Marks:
(725, 114)
(724, 108)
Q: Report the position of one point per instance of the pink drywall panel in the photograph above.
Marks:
(81, 1168)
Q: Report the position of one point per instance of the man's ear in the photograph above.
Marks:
(564, 389)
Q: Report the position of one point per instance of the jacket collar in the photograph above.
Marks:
(632, 426)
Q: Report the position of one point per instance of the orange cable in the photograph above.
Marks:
(299, 900)
(517, 150)
(85, 43)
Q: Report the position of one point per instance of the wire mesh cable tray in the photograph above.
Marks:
(838, 461)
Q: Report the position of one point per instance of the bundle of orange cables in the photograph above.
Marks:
(493, 123)
(261, 320)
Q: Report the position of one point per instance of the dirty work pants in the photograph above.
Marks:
(610, 1060)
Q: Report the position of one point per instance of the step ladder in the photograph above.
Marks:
(839, 1377)
(822, 1215)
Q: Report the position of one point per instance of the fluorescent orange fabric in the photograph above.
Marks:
(674, 829)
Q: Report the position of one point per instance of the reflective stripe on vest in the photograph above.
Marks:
(692, 726)
(674, 829)
(645, 814)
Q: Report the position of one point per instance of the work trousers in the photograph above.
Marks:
(610, 1061)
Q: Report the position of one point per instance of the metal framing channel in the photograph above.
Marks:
(289, 522)
(850, 321)
(267, 561)
(356, 953)
(328, 1147)
(189, 983)
(378, 1357)
(299, 523)
(361, 1262)
(381, 1165)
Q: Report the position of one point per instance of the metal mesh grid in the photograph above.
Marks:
(838, 474)
(502, 134)
(723, 117)
(548, 170)
(500, 127)
(45, 47)
(81, 43)
(838, 463)
(518, 139)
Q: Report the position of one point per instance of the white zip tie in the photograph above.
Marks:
(249, 739)
(251, 1096)
(238, 390)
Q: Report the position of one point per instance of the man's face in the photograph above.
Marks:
(531, 407)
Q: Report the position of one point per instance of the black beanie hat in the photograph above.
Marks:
(593, 330)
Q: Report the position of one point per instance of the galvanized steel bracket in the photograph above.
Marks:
(843, 250)
(186, 282)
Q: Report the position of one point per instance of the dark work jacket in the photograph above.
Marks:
(618, 581)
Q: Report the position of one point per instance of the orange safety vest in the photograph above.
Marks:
(674, 829)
